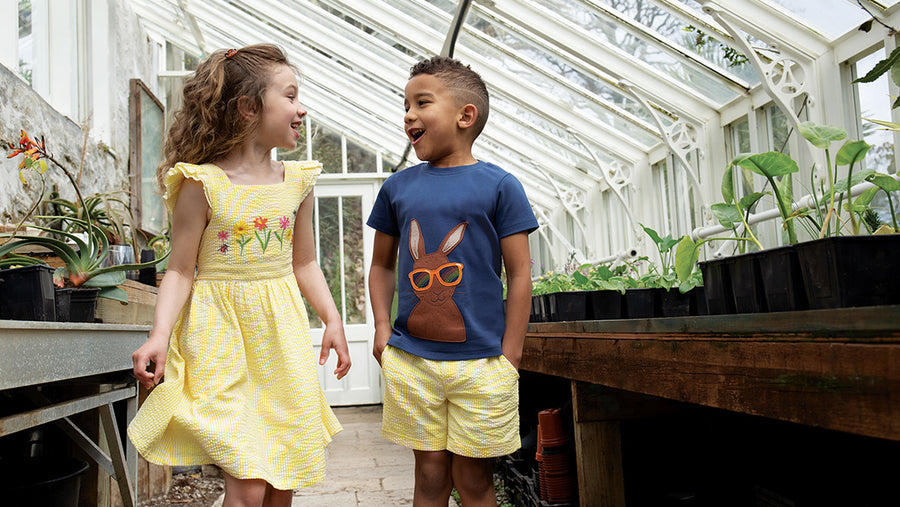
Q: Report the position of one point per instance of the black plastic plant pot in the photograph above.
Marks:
(717, 287)
(746, 283)
(535, 309)
(698, 301)
(605, 304)
(64, 304)
(571, 305)
(642, 303)
(544, 305)
(674, 303)
(782, 279)
(83, 304)
(847, 271)
(26, 293)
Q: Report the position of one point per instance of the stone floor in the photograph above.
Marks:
(363, 469)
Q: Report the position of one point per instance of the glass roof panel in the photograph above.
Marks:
(528, 70)
(640, 46)
(831, 17)
(684, 33)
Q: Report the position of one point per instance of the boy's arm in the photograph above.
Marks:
(517, 260)
(381, 287)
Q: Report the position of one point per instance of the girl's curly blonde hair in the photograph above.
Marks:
(208, 125)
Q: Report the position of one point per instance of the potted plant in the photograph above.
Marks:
(82, 248)
(605, 287)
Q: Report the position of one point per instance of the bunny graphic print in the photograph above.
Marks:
(434, 279)
(449, 222)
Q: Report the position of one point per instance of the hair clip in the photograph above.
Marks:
(230, 53)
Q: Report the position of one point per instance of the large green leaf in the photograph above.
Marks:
(851, 152)
(114, 293)
(866, 197)
(821, 136)
(727, 214)
(728, 185)
(108, 279)
(770, 164)
(750, 199)
(841, 185)
(686, 256)
(885, 182)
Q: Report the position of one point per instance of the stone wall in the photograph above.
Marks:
(105, 161)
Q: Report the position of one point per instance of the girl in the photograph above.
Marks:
(241, 388)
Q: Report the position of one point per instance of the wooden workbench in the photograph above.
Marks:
(835, 369)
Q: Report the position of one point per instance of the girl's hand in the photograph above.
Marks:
(333, 338)
(151, 354)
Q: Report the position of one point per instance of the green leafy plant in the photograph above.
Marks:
(82, 247)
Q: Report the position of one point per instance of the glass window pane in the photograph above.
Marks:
(682, 32)
(875, 102)
(26, 41)
(605, 28)
(327, 233)
(326, 148)
(834, 17)
(360, 159)
(354, 268)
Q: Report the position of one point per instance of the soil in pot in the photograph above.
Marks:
(26, 293)
(717, 287)
(848, 271)
(782, 279)
(605, 304)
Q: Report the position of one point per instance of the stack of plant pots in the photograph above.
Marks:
(554, 456)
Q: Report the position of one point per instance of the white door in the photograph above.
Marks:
(344, 251)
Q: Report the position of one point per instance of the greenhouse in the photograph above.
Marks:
(707, 178)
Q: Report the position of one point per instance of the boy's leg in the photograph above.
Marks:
(474, 481)
(433, 478)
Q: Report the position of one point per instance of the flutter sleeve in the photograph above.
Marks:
(308, 172)
(175, 179)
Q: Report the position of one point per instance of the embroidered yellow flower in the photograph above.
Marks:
(241, 229)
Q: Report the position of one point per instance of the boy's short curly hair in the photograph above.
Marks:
(463, 83)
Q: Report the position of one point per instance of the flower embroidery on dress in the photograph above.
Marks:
(260, 224)
(284, 224)
(242, 231)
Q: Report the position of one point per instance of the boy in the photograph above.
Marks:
(450, 362)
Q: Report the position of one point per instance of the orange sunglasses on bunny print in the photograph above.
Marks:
(447, 275)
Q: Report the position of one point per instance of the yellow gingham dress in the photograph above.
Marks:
(241, 388)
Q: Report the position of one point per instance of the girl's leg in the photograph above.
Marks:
(474, 481)
(433, 478)
(243, 492)
(278, 497)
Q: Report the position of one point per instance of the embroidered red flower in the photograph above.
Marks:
(223, 235)
(260, 223)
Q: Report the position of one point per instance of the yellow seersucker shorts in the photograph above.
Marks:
(468, 407)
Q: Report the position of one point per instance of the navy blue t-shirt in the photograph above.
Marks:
(450, 221)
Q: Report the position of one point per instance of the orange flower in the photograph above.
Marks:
(260, 223)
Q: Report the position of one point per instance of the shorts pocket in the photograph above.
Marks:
(509, 366)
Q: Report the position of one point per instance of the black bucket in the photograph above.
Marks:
(46, 480)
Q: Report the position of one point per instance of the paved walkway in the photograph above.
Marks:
(363, 469)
